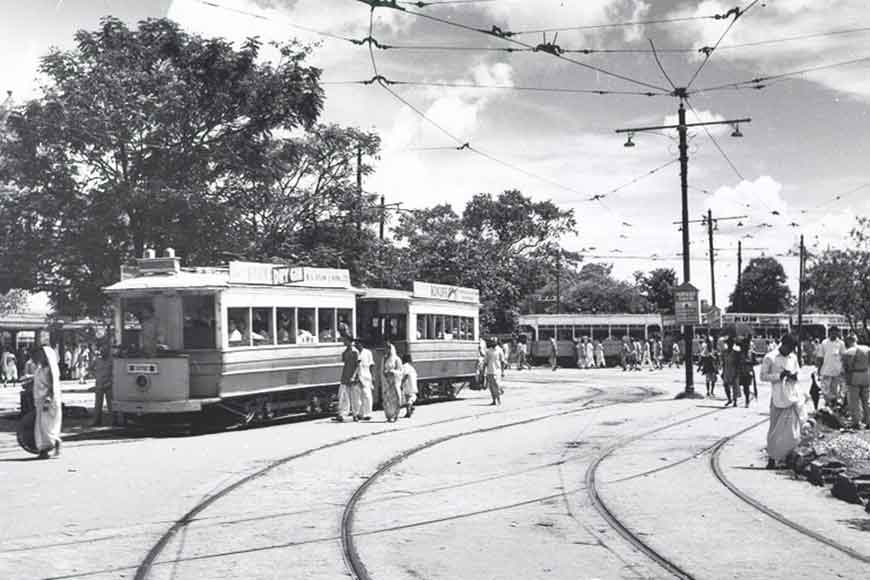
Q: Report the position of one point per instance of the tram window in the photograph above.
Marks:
(546, 332)
(421, 327)
(286, 326)
(430, 326)
(132, 313)
(462, 333)
(439, 327)
(326, 325)
(237, 328)
(345, 322)
(261, 326)
(307, 331)
(565, 333)
(395, 327)
(199, 324)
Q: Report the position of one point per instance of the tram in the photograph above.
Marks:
(252, 341)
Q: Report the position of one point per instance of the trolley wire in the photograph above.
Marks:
(708, 51)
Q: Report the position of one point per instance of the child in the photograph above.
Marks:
(409, 385)
(708, 367)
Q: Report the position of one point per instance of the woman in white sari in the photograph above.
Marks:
(46, 398)
(391, 393)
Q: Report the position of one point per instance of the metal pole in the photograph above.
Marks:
(739, 291)
(359, 191)
(559, 281)
(801, 302)
(712, 267)
(383, 212)
(688, 330)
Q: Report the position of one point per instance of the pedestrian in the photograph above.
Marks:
(598, 354)
(8, 366)
(787, 401)
(675, 354)
(590, 352)
(818, 353)
(579, 353)
(747, 370)
(409, 384)
(831, 373)
(364, 382)
(625, 355)
(506, 347)
(554, 353)
(82, 362)
(47, 402)
(646, 360)
(391, 391)
(349, 364)
(493, 364)
(856, 363)
(638, 354)
(481, 358)
(707, 366)
(522, 352)
(102, 384)
(731, 362)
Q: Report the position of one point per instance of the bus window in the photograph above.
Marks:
(286, 326)
(238, 325)
(345, 323)
(306, 332)
(261, 326)
(326, 325)
(199, 326)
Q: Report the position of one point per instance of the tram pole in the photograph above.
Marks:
(739, 274)
(712, 258)
(559, 281)
(359, 191)
(801, 302)
(383, 213)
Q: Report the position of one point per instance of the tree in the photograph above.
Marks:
(132, 143)
(657, 286)
(835, 280)
(13, 301)
(762, 287)
(597, 291)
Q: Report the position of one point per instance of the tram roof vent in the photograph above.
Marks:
(169, 253)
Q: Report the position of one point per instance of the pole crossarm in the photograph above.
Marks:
(687, 125)
(715, 219)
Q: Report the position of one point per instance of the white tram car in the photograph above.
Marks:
(252, 341)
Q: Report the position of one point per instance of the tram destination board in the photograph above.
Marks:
(687, 310)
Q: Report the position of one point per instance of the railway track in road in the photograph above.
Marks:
(614, 522)
(147, 564)
(718, 472)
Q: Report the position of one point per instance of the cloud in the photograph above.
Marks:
(701, 116)
(780, 20)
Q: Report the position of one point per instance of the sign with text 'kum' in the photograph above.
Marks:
(444, 292)
(687, 309)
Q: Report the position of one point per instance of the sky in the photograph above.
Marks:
(800, 167)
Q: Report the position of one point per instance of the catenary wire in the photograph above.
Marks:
(497, 87)
(708, 53)
(283, 21)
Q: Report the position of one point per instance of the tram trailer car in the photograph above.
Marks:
(250, 341)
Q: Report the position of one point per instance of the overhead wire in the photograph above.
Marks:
(495, 87)
(738, 12)
(283, 21)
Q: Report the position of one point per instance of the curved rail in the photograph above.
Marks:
(716, 467)
(145, 567)
(610, 517)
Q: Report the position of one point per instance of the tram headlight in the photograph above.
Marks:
(142, 383)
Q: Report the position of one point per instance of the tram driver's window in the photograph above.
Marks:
(237, 326)
(326, 325)
(286, 326)
(199, 323)
(132, 314)
(261, 326)
(306, 331)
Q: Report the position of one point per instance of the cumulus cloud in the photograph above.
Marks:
(781, 20)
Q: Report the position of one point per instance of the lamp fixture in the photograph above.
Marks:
(736, 132)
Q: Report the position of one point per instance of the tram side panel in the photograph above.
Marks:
(444, 367)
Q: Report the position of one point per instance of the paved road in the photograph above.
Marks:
(462, 490)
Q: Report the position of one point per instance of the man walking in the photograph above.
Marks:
(554, 353)
(349, 360)
(365, 382)
(856, 363)
(831, 372)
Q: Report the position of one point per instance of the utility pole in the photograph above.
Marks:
(383, 217)
(359, 191)
(801, 301)
(712, 257)
(682, 130)
(559, 281)
(737, 295)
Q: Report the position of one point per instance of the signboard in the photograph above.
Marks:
(687, 310)
(251, 273)
(443, 292)
(325, 277)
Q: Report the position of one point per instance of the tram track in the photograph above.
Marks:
(612, 520)
(146, 565)
(719, 473)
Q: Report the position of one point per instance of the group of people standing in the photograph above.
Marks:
(589, 353)
(636, 355)
(399, 384)
(734, 360)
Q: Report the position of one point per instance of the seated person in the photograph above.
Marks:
(237, 337)
(327, 335)
(304, 335)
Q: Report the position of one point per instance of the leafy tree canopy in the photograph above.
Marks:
(134, 141)
(13, 301)
(762, 287)
(595, 290)
(657, 286)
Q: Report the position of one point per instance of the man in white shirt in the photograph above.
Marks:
(831, 373)
(365, 382)
(787, 410)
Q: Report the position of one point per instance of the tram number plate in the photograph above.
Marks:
(143, 369)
